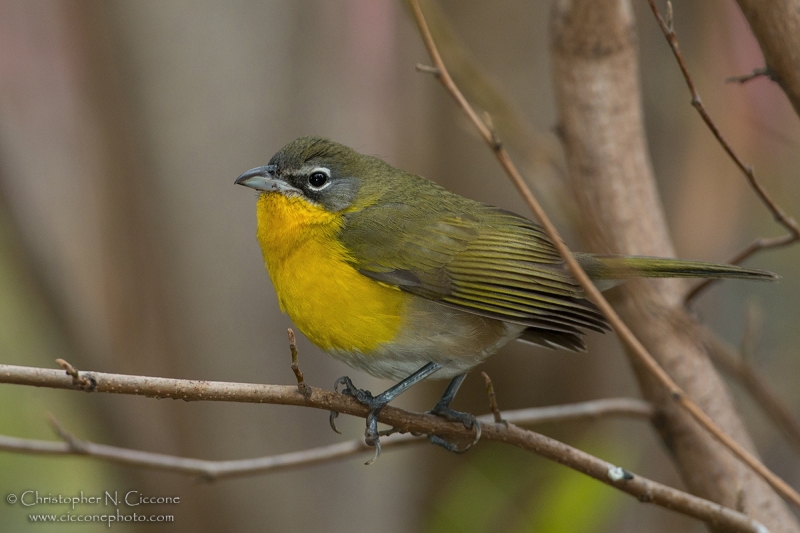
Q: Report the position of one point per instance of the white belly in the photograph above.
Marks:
(456, 340)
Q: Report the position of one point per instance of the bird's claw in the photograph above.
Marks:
(332, 421)
(467, 419)
(371, 434)
(362, 395)
(372, 437)
(377, 445)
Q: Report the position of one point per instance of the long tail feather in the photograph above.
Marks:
(605, 267)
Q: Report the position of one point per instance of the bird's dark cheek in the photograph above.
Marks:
(313, 197)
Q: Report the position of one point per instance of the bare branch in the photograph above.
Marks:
(777, 212)
(643, 489)
(744, 78)
(776, 25)
(761, 243)
(498, 417)
(221, 391)
(427, 69)
(81, 382)
(541, 150)
(596, 77)
(213, 470)
(302, 388)
(625, 334)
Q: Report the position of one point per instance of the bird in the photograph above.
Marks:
(394, 275)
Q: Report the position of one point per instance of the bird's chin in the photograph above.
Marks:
(286, 196)
(291, 193)
(288, 193)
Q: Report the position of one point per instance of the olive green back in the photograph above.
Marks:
(481, 259)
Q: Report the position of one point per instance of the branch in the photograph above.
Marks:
(761, 243)
(302, 388)
(625, 334)
(645, 490)
(779, 214)
(776, 25)
(744, 78)
(541, 151)
(213, 470)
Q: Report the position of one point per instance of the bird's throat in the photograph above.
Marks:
(333, 305)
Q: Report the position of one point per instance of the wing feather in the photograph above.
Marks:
(473, 257)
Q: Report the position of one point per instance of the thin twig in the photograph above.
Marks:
(212, 470)
(778, 213)
(670, 16)
(427, 69)
(74, 445)
(744, 78)
(498, 418)
(761, 243)
(82, 382)
(302, 388)
(625, 334)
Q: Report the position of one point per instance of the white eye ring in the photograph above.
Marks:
(320, 175)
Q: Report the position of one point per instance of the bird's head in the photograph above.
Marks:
(323, 172)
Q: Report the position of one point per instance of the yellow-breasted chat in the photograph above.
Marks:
(394, 275)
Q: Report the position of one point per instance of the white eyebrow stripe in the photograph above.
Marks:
(307, 170)
(322, 169)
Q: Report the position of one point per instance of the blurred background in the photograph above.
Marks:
(125, 247)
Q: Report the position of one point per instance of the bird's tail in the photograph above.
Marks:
(618, 267)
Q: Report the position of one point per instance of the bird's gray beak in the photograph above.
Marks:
(262, 179)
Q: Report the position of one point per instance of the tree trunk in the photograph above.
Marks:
(596, 77)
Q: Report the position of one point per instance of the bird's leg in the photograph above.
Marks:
(376, 403)
(442, 408)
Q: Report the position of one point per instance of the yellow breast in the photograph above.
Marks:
(331, 303)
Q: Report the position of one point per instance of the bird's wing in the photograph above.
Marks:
(479, 259)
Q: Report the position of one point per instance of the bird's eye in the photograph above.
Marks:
(317, 179)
